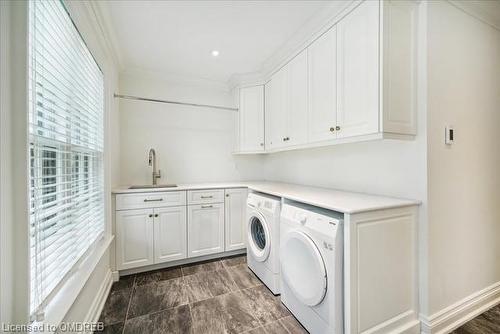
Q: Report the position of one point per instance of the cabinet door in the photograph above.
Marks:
(251, 115)
(322, 61)
(134, 238)
(170, 234)
(358, 78)
(296, 96)
(235, 219)
(205, 229)
(275, 91)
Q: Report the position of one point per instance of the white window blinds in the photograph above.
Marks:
(66, 106)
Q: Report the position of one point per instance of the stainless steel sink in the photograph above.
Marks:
(149, 186)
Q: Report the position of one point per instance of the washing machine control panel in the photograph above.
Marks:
(262, 202)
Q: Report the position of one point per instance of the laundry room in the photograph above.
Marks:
(245, 166)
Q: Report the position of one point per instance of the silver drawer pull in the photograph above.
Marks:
(203, 197)
(206, 206)
(154, 200)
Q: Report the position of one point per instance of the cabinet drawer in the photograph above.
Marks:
(150, 200)
(205, 196)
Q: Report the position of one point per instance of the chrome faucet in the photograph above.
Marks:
(152, 162)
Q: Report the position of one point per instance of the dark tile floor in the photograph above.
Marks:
(220, 296)
(486, 323)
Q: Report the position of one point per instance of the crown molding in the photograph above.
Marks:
(84, 16)
(175, 78)
(485, 11)
(303, 37)
(308, 33)
(103, 20)
(246, 79)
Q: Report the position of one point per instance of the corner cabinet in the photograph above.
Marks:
(173, 226)
(355, 82)
(251, 119)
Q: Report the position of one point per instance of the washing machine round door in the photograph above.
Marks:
(302, 268)
(259, 238)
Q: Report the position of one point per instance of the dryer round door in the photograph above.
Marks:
(302, 268)
(259, 238)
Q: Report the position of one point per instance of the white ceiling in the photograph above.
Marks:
(177, 37)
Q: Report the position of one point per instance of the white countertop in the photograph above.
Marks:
(332, 199)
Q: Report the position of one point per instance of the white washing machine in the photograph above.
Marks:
(263, 229)
(311, 251)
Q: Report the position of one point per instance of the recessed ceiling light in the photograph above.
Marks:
(215, 53)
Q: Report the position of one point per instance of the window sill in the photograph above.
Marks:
(58, 307)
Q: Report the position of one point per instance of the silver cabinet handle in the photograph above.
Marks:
(207, 206)
(154, 200)
(203, 197)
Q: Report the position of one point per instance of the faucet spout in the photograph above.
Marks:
(152, 162)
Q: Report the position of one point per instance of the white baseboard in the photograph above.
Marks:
(115, 275)
(181, 262)
(100, 298)
(462, 311)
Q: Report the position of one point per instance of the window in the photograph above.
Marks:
(66, 149)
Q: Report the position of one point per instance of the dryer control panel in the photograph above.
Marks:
(313, 218)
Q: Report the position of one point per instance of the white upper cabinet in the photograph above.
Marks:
(286, 105)
(251, 119)
(296, 115)
(356, 81)
(276, 90)
(323, 87)
(357, 72)
(399, 67)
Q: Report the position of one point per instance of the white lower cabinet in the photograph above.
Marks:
(134, 238)
(235, 217)
(205, 229)
(212, 222)
(170, 234)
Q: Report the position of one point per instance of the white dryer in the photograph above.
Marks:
(311, 251)
(263, 229)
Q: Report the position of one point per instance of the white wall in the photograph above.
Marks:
(88, 306)
(192, 144)
(464, 179)
(386, 167)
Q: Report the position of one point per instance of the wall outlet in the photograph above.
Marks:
(449, 135)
